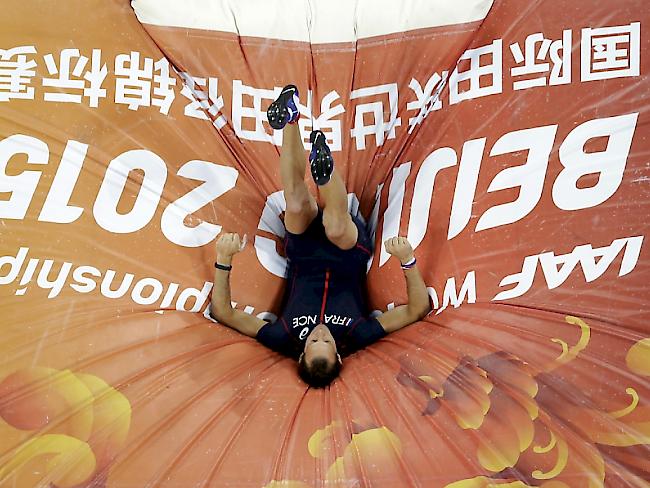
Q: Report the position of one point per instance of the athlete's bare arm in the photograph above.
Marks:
(220, 307)
(418, 305)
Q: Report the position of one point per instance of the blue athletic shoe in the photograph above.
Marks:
(320, 158)
(285, 108)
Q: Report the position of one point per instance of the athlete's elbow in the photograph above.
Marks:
(419, 311)
(220, 314)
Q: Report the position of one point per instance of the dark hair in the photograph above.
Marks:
(319, 373)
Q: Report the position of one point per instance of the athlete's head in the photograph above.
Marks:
(319, 363)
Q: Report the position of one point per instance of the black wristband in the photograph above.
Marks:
(223, 266)
(409, 264)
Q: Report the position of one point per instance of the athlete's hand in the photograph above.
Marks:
(228, 245)
(399, 247)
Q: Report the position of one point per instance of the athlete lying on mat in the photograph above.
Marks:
(324, 314)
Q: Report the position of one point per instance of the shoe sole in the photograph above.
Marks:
(278, 110)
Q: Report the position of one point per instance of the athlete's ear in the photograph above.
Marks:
(301, 355)
(338, 356)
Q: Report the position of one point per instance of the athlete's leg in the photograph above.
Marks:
(301, 205)
(339, 227)
(338, 224)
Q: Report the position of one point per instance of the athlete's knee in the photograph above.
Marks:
(298, 202)
(336, 225)
(296, 206)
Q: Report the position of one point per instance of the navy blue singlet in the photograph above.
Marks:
(325, 285)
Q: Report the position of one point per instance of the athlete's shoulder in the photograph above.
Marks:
(363, 333)
(276, 336)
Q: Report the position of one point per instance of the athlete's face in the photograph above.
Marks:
(320, 343)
